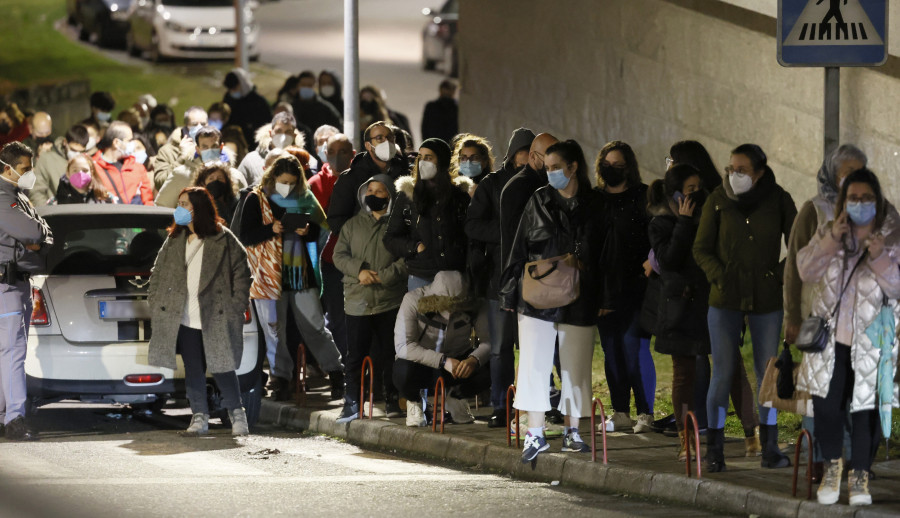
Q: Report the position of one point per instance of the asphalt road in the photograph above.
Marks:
(98, 461)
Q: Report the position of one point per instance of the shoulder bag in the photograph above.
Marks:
(815, 330)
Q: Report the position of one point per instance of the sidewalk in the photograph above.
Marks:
(639, 464)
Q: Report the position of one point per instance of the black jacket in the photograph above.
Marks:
(483, 228)
(65, 194)
(344, 203)
(441, 119)
(627, 213)
(515, 195)
(440, 229)
(317, 112)
(681, 325)
(250, 112)
(549, 228)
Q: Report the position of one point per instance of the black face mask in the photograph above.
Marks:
(43, 140)
(217, 188)
(4, 127)
(613, 176)
(698, 197)
(375, 203)
(369, 106)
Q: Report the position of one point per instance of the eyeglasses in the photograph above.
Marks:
(740, 170)
(864, 198)
(381, 138)
(473, 158)
(620, 167)
(669, 162)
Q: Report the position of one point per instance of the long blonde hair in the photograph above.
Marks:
(469, 140)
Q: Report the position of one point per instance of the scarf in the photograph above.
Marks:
(298, 261)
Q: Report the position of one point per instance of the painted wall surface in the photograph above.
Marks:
(653, 72)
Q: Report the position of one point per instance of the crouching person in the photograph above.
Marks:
(374, 286)
(433, 338)
(199, 291)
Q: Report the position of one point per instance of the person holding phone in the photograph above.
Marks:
(284, 259)
(853, 262)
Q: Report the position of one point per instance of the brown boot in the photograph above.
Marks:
(682, 450)
(752, 447)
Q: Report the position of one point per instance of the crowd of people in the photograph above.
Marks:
(439, 260)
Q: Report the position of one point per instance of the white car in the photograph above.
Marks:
(193, 29)
(90, 327)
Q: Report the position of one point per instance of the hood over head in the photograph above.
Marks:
(387, 181)
(826, 178)
(448, 293)
(243, 77)
(521, 138)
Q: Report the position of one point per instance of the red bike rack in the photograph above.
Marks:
(594, 406)
(809, 464)
(511, 390)
(438, 391)
(300, 391)
(362, 388)
(691, 419)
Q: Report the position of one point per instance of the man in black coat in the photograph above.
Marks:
(249, 110)
(309, 107)
(441, 117)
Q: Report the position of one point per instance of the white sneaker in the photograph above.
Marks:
(618, 422)
(459, 410)
(414, 415)
(644, 421)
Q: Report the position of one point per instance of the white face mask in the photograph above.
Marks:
(323, 152)
(26, 181)
(71, 154)
(326, 91)
(385, 151)
(740, 182)
(283, 189)
(92, 143)
(427, 170)
(282, 140)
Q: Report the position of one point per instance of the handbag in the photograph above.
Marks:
(551, 283)
(800, 401)
(784, 384)
(814, 331)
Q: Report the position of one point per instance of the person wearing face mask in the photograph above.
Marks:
(160, 127)
(198, 294)
(40, 126)
(320, 137)
(472, 158)
(81, 184)
(219, 115)
(372, 109)
(563, 217)
(852, 261)
(286, 272)
(24, 238)
(50, 167)
(13, 127)
(483, 226)
(441, 116)
(120, 174)
(249, 110)
(180, 148)
(330, 89)
(813, 214)
(427, 227)
(102, 105)
(738, 245)
(374, 283)
(309, 107)
(280, 134)
(208, 149)
(216, 178)
(626, 347)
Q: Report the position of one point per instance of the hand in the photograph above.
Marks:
(450, 365)
(36, 247)
(876, 245)
(840, 227)
(790, 332)
(685, 207)
(302, 231)
(277, 227)
(604, 312)
(420, 248)
(648, 269)
(367, 277)
(509, 309)
(188, 147)
(465, 368)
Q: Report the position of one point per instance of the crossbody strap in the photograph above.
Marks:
(837, 304)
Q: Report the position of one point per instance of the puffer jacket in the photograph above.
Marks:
(254, 164)
(438, 319)
(822, 262)
(548, 230)
(360, 247)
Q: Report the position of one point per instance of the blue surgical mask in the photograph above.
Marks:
(470, 169)
(861, 212)
(215, 123)
(193, 130)
(234, 95)
(104, 116)
(210, 155)
(558, 179)
(322, 153)
(183, 216)
(307, 93)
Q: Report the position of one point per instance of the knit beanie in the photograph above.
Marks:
(441, 149)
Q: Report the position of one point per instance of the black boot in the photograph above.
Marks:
(715, 450)
(337, 384)
(771, 457)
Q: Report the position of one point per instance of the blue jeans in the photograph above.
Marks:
(503, 338)
(725, 335)
(628, 362)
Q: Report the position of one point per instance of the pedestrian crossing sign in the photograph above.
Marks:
(832, 33)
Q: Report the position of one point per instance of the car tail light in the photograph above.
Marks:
(39, 316)
(143, 379)
(247, 315)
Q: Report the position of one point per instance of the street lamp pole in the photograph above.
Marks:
(241, 60)
(351, 72)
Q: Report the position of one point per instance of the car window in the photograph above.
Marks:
(199, 3)
(96, 245)
(451, 7)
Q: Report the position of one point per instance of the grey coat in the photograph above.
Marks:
(224, 296)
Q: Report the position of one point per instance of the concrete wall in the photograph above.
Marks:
(68, 102)
(652, 72)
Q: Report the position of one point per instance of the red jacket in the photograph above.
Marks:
(17, 134)
(130, 185)
(322, 185)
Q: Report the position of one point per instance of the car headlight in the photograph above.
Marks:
(172, 26)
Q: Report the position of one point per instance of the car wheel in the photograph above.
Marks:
(254, 58)
(130, 47)
(428, 64)
(155, 55)
(83, 34)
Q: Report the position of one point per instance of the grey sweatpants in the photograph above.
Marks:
(15, 316)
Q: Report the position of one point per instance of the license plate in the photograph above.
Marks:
(225, 40)
(124, 310)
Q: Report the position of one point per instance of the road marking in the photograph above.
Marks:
(219, 479)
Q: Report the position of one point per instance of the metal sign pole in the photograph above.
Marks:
(351, 72)
(832, 109)
(241, 59)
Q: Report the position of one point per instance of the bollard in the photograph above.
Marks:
(687, 443)
(511, 389)
(594, 406)
(809, 464)
(438, 391)
(362, 388)
(300, 390)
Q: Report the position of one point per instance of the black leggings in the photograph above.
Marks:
(830, 415)
(373, 333)
(410, 377)
(190, 345)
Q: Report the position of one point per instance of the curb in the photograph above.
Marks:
(553, 467)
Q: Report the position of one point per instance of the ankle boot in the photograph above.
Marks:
(239, 425)
(199, 426)
(337, 384)
(772, 457)
(752, 446)
(682, 453)
(715, 450)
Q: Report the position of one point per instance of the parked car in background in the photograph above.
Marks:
(193, 29)
(439, 39)
(90, 328)
(103, 21)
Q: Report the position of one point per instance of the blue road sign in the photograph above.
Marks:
(832, 33)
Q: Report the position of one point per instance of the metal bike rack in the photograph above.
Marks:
(690, 418)
(594, 406)
(300, 390)
(438, 391)
(511, 390)
(362, 388)
(809, 464)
